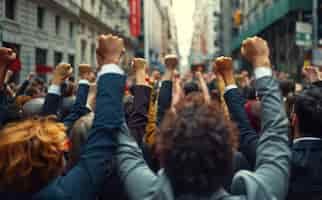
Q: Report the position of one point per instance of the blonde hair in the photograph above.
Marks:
(31, 153)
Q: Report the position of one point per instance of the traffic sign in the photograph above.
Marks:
(303, 34)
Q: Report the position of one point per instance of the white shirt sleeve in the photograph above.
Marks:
(230, 87)
(83, 81)
(54, 89)
(261, 72)
(110, 69)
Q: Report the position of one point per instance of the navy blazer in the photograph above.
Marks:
(86, 179)
(248, 136)
(79, 109)
(164, 100)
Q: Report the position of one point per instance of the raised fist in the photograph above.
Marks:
(85, 71)
(171, 61)
(62, 72)
(224, 67)
(7, 55)
(139, 64)
(110, 49)
(256, 51)
(223, 64)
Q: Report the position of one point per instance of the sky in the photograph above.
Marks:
(183, 11)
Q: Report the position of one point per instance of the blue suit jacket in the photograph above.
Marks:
(86, 179)
(248, 136)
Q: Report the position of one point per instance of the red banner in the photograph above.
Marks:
(43, 69)
(135, 17)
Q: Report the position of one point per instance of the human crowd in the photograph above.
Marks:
(142, 136)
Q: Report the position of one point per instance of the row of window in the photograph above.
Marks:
(10, 13)
(41, 57)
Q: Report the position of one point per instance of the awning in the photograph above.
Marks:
(270, 15)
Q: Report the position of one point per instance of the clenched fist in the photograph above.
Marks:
(139, 64)
(85, 71)
(224, 67)
(256, 51)
(110, 49)
(171, 61)
(7, 55)
(62, 72)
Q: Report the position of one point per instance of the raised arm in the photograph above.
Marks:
(6, 56)
(235, 103)
(273, 153)
(138, 118)
(22, 89)
(53, 97)
(87, 178)
(79, 108)
(165, 95)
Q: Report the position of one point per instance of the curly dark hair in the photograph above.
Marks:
(196, 147)
(308, 109)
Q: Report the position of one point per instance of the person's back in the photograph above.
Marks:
(306, 171)
(196, 152)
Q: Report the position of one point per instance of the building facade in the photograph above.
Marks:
(161, 31)
(205, 44)
(43, 32)
(275, 21)
(47, 32)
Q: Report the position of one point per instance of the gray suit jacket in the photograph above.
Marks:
(268, 181)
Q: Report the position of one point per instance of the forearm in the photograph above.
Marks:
(22, 88)
(52, 100)
(79, 108)
(138, 119)
(139, 181)
(248, 136)
(273, 153)
(164, 101)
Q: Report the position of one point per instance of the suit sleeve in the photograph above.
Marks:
(248, 136)
(164, 100)
(86, 179)
(271, 177)
(79, 108)
(138, 118)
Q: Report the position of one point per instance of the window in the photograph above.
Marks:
(41, 59)
(10, 6)
(71, 60)
(41, 56)
(71, 30)
(40, 17)
(58, 58)
(93, 54)
(93, 4)
(83, 51)
(57, 24)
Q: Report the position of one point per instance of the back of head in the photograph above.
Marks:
(308, 109)
(190, 87)
(287, 87)
(196, 148)
(31, 154)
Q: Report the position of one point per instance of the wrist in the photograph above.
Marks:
(261, 61)
(57, 82)
(168, 75)
(230, 80)
(111, 60)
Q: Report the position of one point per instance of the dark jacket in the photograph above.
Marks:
(268, 181)
(86, 179)
(248, 136)
(306, 171)
(306, 165)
